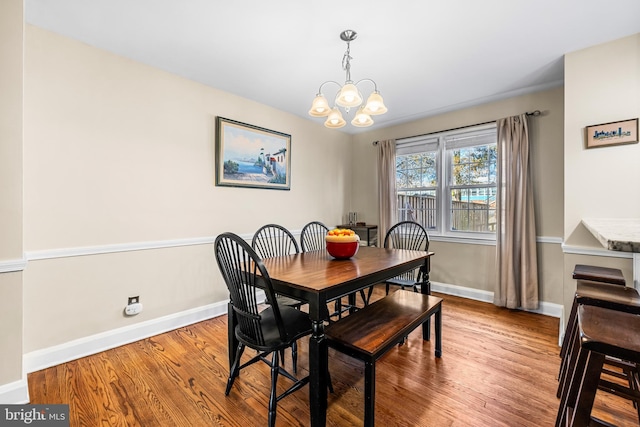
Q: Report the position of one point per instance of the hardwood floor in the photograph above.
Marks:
(498, 368)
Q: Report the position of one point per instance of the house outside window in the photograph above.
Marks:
(447, 181)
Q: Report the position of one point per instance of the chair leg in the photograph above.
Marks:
(566, 340)
(570, 382)
(567, 345)
(588, 389)
(633, 379)
(294, 356)
(273, 399)
(338, 307)
(365, 301)
(235, 369)
(366, 298)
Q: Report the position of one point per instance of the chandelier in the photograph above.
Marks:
(348, 96)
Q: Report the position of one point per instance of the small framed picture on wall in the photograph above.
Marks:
(614, 133)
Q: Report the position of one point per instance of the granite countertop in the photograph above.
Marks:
(616, 234)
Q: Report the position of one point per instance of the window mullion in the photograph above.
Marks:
(443, 184)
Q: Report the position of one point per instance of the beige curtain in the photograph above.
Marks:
(517, 266)
(388, 202)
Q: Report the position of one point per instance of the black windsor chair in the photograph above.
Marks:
(412, 236)
(312, 236)
(267, 330)
(408, 235)
(273, 240)
(312, 239)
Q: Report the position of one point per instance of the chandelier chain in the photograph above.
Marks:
(346, 61)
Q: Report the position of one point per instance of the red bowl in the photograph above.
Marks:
(342, 250)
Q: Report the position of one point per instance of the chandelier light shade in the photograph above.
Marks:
(334, 119)
(320, 106)
(375, 104)
(348, 96)
(362, 119)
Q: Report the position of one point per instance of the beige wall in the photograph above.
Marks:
(602, 84)
(473, 266)
(119, 153)
(11, 83)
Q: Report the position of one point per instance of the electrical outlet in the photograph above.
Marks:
(133, 309)
(133, 306)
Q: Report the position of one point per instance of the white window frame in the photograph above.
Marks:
(444, 142)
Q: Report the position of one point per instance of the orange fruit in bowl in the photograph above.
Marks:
(341, 235)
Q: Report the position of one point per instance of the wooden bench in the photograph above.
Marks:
(370, 332)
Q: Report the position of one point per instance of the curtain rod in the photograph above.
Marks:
(532, 113)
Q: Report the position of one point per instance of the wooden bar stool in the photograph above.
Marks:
(597, 294)
(599, 274)
(601, 333)
(590, 273)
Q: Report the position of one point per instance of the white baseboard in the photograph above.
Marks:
(51, 356)
(15, 393)
(546, 308)
(460, 291)
(47, 357)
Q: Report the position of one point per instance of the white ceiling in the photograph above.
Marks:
(427, 57)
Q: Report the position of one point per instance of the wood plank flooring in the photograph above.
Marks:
(498, 368)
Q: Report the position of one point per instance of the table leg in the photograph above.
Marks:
(318, 368)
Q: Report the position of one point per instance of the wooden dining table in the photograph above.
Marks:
(318, 278)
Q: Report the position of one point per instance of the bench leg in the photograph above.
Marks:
(369, 393)
(425, 289)
(438, 325)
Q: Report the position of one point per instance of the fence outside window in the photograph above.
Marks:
(473, 216)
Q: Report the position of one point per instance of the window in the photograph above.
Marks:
(447, 181)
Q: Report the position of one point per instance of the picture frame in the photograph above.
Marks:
(251, 156)
(614, 133)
